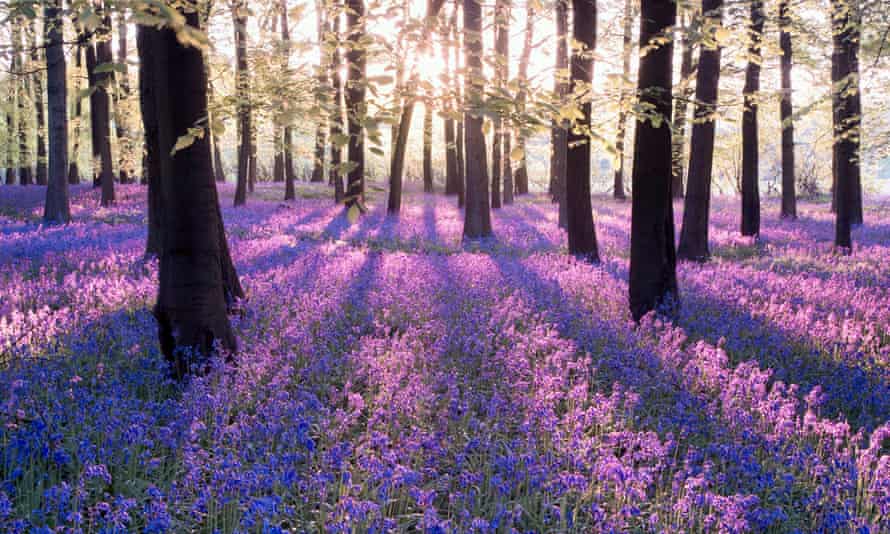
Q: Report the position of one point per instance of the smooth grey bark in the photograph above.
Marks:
(56, 208)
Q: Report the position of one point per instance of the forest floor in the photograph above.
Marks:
(391, 378)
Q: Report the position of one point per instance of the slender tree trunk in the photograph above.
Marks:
(624, 100)
(428, 146)
(290, 192)
(219, 172)
(502, 60)
(786, 110)
(192, 300)
(73, 168)
(846, 119)
(653, 277)
(56, 209)
(750, 136)
(104, 81)
(460, 137)
(694, 232)
(355, 103)
(397, 161)
(337, 115)
(684, 92)
(559, 127)
(242, 81)
(321, 100)
(581, 231)
(40, 175)
(26, 176)
(452, 174)
(121, 121)
(521, 174)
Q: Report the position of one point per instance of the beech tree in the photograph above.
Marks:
(26, 176)
(99, 59)
(696, 212)
(56, 209)
(449, 78)
(477, 217)
(559, 127)
(653, 276)
(520, 175)
(581, 231)
(73, 167)
(684, 92)
(786, 113)
(623, 100)
(321, 96)
(355, 103)
(750, 136)
(502, 42)
(191, 308)
(39, 102)
(336, 117)
(240, 14)
(846, 119)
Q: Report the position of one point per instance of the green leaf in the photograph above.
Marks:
(352, 214)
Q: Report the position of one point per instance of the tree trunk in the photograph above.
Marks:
(355, 103)
(39, 103)
(502, 61)
(287, 140)
(684, 92)
(559, 128)
(452, 173)
(624, 100)
(397, 161)
(786, 110)
(337, 115)
(191, 307)
(124, 143)
(26, 176)
(145, 43)
(694, 232)
(846, 120)
(477, 217)
(73, 168)
(581, 231)
(653, 276)
(242, 82)
(750, 137)
(428, 146)
(104, 81)
(520, 179)
(321, 99)
(460, 141)
(56, 209)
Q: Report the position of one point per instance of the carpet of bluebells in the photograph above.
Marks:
(391, 378)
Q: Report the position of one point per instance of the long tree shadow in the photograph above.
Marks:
(854, 393)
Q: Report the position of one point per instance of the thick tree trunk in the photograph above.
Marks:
(694, 233)
(428, 146)
(355, 103)
(520, 176)
(477, 217)
(846, 120)
(623, 104)
(581, 231)
(242, 81)
(192, 300)
(73, 168)
(786, 111)
(40, 174)
(653, 277)
(684, 92)
(56, 209)
(750, 136)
